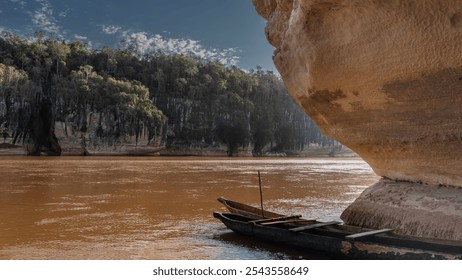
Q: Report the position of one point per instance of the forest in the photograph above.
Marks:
(114, 96)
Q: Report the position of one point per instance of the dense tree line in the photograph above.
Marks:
(179, 99)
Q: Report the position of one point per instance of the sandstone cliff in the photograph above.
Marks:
(382, 77)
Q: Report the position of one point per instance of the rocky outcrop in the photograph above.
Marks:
(382, 77)
(99, 139)
(409, 208)
(72, 142)
(42, 138)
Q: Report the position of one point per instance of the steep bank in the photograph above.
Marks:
(383, 78)
(76, 143)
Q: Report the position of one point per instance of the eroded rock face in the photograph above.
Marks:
(409, 208)
(382, 77)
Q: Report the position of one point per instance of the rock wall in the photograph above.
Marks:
(409, 208)
(94, 142)
(382, 77)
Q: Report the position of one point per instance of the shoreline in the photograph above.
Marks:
(198, 154)
(7, 149)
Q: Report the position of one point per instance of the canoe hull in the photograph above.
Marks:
(247, 210)
(333, 244)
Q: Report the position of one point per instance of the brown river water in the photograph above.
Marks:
(161, 208)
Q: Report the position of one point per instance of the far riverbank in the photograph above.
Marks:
(7, 149)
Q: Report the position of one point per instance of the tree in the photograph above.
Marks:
(15, 98)
(59, 52)
(113, 95)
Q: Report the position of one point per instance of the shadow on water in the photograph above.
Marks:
(272, 250)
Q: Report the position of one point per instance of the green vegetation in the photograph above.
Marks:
(174, 99)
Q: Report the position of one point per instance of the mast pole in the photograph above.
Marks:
(261, 195)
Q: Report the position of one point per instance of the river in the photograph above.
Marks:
(161, 208)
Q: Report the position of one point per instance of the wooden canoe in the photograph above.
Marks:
(247, 210)
(340, 240)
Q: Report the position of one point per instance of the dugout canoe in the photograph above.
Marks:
(339, 240)
(247, 210)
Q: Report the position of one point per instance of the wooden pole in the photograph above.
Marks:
(261, 195)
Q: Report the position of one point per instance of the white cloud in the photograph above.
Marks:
(142, 43)
(44, 19)
(63, 14)
(90, 44)
(110, 29)
(80, 37)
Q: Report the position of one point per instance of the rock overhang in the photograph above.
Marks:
(383, 77)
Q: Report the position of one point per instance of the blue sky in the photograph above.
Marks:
(226, 30)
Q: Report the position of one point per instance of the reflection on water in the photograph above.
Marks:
(160, 208)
